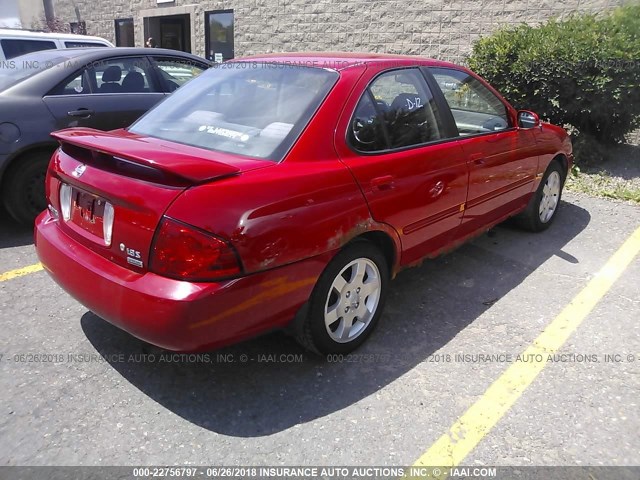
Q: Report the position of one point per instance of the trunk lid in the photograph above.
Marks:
(118, 185)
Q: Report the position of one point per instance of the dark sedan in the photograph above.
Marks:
(104, 88)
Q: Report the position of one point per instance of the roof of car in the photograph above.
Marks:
(341, 60)
(90, 53)
(131, 51)
(11, 32)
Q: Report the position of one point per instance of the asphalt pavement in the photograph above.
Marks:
(75, 390)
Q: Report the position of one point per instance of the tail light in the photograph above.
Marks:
(186, 253)
(65, 201)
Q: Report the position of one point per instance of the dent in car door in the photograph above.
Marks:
(502, 159)
(412, 177)
(110, 94)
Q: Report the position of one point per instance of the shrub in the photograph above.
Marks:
(583, 71)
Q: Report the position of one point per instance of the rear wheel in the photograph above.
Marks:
(543, 206)
(24, 190)
(347, 302)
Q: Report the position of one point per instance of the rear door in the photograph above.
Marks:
(106, 95)
(398, 145)
(502, 159)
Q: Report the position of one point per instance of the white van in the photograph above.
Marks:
(14, 43)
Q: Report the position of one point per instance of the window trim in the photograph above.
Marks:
(207, 34)
(508, 108)
(435, 93)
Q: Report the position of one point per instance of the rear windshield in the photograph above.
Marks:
(19, 68)
(249, 108)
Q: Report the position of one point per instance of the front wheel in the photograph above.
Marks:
(347, 302)
(543, 206)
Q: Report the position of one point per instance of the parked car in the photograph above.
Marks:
(14, 43)
(285, 192)
(105, 88)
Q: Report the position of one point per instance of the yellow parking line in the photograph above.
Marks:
(469, 430)
(20, 272)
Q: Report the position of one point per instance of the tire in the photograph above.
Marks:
(340, 317)
(24, 190)
(544, 204)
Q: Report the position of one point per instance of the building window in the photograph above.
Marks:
(219, 35)
(79, 28)
(124, 33)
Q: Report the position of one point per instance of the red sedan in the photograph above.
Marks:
(286, 191)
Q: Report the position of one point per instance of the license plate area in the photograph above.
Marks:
(87, 211)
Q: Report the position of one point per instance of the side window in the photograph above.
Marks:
(76, 84)
(365, 130)
(175, 72)
(83, 44)
(475, 108)
(123, 75)
(397, 110)
(14, 47)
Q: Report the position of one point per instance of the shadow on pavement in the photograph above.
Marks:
(426, 308)
(13, 234)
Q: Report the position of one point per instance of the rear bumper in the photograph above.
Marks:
(176, 315)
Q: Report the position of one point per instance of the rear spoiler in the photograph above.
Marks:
(150, 159)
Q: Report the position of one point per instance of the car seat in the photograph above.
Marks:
(110, 78)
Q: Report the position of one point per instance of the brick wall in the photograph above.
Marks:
(435, 28)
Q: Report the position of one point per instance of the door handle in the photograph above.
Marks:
(81, 112)
(437, 189)
(478, 159)
(383, 183)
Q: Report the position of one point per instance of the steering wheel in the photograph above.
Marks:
(358, 126)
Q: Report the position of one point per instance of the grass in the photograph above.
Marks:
(604, 184)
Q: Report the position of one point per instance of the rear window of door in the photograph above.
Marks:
(123, 75)
(14, 47)
(175, 72)
(117, 75)
(397, 110)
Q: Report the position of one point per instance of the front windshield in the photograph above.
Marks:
(20, 68)
(249, 108)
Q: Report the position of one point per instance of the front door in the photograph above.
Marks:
(413, 176)
(502, 158)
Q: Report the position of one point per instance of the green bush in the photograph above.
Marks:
(583, 71)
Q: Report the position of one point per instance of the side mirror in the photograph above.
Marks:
(527, 119)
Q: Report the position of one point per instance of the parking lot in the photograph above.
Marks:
(75, 390)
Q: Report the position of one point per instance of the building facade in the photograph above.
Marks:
(224, 29)
(25, 14)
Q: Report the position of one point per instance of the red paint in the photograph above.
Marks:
(282, 222)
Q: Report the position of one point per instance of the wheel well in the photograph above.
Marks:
(383, 242)
(564, 163)
(14, 161)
